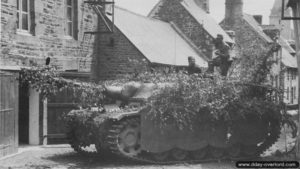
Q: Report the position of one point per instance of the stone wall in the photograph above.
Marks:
(49, 37)
(173, 11)
(116, 56)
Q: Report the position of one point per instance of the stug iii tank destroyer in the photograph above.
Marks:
(130, 133)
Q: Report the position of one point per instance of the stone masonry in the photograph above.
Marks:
(47, 36)
(116, 56)
(173, 11)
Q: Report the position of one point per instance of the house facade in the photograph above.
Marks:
(252, 35)
(252, 42)
(289, 60)
(172, 31)
(192, 19)
(35, 31)
(289, 73)
(140, 44)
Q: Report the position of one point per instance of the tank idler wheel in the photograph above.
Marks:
(250, 150)
(234, 150)
(129, 138)
(179, 154)
(161, 156)
(216, 152)
(199, 154)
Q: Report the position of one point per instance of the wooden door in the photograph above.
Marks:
(8, 113)
(58, 105)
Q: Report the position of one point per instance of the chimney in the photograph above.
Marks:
(233, 11)
(204, 4)
(258, 18)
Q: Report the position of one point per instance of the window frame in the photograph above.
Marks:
(288, 93)
(295, 92)
(292, 94)
(73, 19)
(20, 14)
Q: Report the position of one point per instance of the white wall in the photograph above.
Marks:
(33, 117)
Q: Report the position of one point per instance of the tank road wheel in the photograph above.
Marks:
(179, 154)
(216, 152)
(199, 154)
(160, 156)
(250, 150)
(234, 150)
(129, 138)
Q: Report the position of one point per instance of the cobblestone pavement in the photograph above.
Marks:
(62, 156)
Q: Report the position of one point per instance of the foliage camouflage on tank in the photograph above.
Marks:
(183, 118)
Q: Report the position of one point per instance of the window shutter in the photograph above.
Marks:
(32, 17)
(75, 20)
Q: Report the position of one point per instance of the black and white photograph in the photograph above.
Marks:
(149, 84)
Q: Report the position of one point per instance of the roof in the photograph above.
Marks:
(155, 39)
(288, 60)
(203, 18)
(285, 44)
(270, 27)
(155, 9)
(255, 25)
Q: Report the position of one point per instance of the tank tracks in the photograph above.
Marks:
(123, 139)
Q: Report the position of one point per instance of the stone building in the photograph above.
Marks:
(192, 19)
(290, 74)
(250, 38)
(34, 30)
(31, 32)
(252, 35)
(288, 80)
(142, 43)
(289, 60)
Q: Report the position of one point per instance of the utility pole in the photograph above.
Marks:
(295, 5)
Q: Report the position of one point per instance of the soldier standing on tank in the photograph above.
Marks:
(193, 67)
(222, 56)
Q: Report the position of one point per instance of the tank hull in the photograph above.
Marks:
(133, 135)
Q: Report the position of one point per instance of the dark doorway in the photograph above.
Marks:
(23, 114)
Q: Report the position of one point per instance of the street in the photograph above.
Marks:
(63, 156)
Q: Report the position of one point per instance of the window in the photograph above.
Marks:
(294, 92)
(72, 17)
(25, 15)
